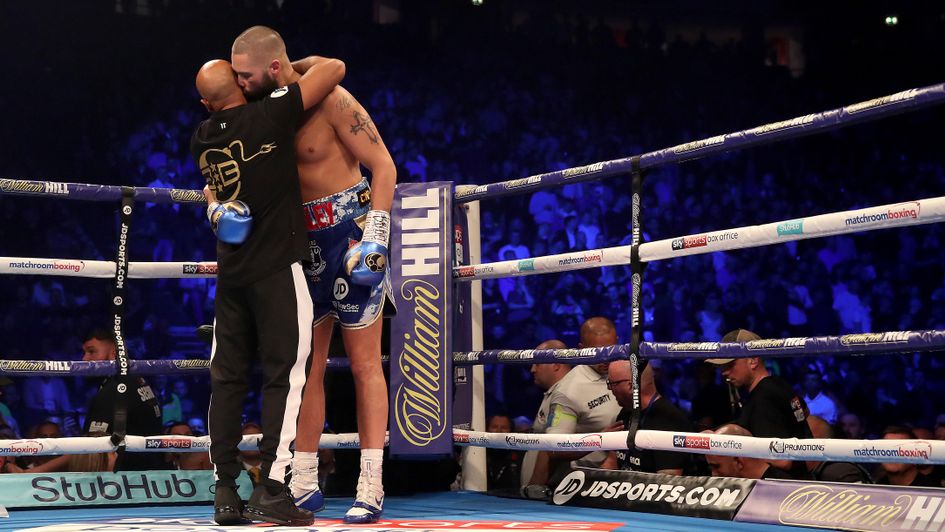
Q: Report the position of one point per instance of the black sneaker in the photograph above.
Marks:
(278, 509)
(228, 507)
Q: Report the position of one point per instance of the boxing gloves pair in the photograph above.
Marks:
(366, 261)
(231, 221)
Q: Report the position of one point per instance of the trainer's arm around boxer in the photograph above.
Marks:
(319, 80)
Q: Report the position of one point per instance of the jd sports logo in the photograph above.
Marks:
(568, 486)
(341, 289)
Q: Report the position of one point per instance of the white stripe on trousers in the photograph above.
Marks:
(297, 376)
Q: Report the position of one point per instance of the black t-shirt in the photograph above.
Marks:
(841, 472)
(774, 473)
(773, 410)
(661, 414)
(247, 153)
(144, 419)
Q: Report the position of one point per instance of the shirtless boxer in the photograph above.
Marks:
(348, 228)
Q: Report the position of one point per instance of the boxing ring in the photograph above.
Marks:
(582, 499)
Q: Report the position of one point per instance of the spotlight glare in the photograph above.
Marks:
(892, 20)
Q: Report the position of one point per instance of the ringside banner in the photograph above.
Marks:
(845, 506)
(422, 240)
(462, 324)
(708, 497)
(129, 487)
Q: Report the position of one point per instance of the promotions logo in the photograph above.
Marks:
(781, 447)
(516, 441)
(466, 271)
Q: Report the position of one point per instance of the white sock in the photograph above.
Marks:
(372, 464)
(370, 484)
(304, 473)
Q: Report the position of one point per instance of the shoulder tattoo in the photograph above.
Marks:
(363, 122)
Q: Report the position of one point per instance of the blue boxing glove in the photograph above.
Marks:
(231, 221)
(366, 262)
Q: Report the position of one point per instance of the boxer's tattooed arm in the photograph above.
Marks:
(363, 122)
(343, 103)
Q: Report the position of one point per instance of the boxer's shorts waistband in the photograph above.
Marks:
(337, 208)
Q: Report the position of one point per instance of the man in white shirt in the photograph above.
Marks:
(817, 402)
(575, 402)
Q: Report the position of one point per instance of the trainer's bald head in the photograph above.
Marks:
(260, 43)
(216, 83)
(732, 429)
(552, 344)
(598, 332)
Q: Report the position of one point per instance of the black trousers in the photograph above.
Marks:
(271, 318)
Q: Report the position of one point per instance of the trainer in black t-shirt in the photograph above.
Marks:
(144, 419)
(661, 414)
(773, 410)
(257, 166)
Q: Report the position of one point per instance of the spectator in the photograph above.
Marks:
(503, 466)
(851, 426)
(829, 471)
(817, 401)
(576, 401)
(45, 397)
(6, 416)
(656, 413)
(143, 410)
(901, 474)
(251, 459)
(46, 429)
(772, 409)
(186, 461)
(742, 466)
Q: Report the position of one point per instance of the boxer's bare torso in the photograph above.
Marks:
(326, 165)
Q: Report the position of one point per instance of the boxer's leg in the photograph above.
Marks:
(304, 484)
(364, 351)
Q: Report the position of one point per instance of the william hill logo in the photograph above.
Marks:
(420, 401)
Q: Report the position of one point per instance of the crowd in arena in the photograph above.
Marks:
(523, 102)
